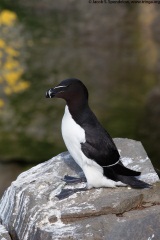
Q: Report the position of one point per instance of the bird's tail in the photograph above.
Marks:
(133, 182)
(120, 169)
(119, 172)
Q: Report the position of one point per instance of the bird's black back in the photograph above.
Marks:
(99, 145)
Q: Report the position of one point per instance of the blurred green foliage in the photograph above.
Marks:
(116, 57)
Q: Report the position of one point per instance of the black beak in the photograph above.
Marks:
(51, 93)
(47, 94)
(54, 92)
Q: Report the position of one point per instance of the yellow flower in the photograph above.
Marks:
(1, 103)
(21, 86)
(18, 87)
(11, 64)
(12, 77)
(7, 17)
(11, 51)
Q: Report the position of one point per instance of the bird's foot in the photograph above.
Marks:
(68, 192)
(70, 179)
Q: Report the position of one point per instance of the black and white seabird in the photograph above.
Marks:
(89, 143)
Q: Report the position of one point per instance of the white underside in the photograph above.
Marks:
(73, 136)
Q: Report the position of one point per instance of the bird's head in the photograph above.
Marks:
(71, 90)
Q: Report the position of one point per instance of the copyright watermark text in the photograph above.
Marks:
(123, 1)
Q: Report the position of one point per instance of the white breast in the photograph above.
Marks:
(73, 136)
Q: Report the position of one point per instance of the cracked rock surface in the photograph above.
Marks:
(30, 211)
(4, 235)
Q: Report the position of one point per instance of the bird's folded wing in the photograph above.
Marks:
(103, 152)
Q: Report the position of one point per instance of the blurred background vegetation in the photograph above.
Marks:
(113, 48)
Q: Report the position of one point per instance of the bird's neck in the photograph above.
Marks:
(78, 109)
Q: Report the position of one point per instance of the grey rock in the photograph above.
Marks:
(4, 235)
(30, 211)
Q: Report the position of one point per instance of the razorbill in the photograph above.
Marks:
(89, 143)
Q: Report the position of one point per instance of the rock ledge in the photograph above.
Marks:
(30, 211)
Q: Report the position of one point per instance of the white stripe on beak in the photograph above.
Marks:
(49, 93)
